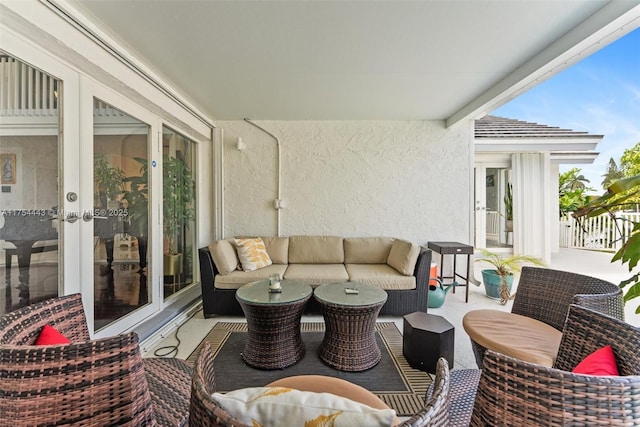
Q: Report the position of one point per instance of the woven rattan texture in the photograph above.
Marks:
(349, 342)
(436, 410)
(273, 338)
(545, 295)
(88, 382)
(516, 393)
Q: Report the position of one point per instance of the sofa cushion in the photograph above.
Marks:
(316, 250)
(277, 248)
(317, 274)
(51, 336)
(403, 256)
(224, 255)
(367, 250)
(381, 276)
(252, 254)
(237, 278)
(269, 406)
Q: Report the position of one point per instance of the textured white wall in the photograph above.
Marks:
(408, 179)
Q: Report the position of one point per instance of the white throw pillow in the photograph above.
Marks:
(252, 254)
(280, 406)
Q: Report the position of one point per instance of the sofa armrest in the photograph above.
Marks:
(208, 273)
(423, 267)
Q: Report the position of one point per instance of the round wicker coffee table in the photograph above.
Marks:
(273, 323)
(349, 342)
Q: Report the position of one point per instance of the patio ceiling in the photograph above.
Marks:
(355, 60)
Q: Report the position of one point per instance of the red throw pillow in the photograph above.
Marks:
(51, 336)
(600, 362)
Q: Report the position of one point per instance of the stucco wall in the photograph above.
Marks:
(408, 179)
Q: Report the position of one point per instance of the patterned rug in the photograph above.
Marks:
(393, 380)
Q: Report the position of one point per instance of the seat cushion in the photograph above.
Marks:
(514, 335)
(238, 278)
(317, 274)
(381, 276)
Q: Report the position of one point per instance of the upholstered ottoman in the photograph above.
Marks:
(426, 338)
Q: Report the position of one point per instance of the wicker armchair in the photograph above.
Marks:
(205, 412)
(516, 393)
(545, 295)
(88, 382)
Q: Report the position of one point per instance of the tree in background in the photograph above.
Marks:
(612, 174)
(572, 191)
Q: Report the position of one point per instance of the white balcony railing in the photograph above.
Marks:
(603, 232)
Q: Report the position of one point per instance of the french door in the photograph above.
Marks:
(492, 206)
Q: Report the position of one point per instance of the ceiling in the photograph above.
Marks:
(356, 60)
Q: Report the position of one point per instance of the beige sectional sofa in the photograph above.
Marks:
(399, 267)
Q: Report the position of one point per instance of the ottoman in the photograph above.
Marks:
(426, 338)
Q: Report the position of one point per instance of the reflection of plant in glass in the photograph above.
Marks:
(178, 199)
(508, 202)
(138, 199)
(109, 181)
(617, 197)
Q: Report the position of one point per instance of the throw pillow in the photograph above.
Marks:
(601, 362)
(51, 336)
(403, 256)
(252, 254)
(278, 406)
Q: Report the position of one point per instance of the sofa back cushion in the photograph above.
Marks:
(224, 255)
(403, 256)
(367, 250)
(316, 250)
(278, 249)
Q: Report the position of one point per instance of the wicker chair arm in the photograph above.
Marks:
(519, 393)
(436, 409)
(204, 411)
(610, 303)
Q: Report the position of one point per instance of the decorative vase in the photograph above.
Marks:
(491, 281)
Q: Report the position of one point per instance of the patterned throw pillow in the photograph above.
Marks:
(252, 254)
(280, 406)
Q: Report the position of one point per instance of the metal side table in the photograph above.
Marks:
(455, 249)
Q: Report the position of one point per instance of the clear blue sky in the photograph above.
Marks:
(599, 95)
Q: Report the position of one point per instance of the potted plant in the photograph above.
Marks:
(499, 280)
(178, 209)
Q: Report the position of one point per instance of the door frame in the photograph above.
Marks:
(481, 164)
(89, 90)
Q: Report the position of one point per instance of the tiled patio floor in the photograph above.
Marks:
(595, 264)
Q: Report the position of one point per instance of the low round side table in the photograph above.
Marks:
(349, 342)
(273, 323)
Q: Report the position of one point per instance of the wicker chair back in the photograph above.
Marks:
(545, 295)
(88, 382)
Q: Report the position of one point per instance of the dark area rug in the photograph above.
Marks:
(393, 380)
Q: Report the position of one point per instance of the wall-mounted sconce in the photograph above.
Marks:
(240, 145)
